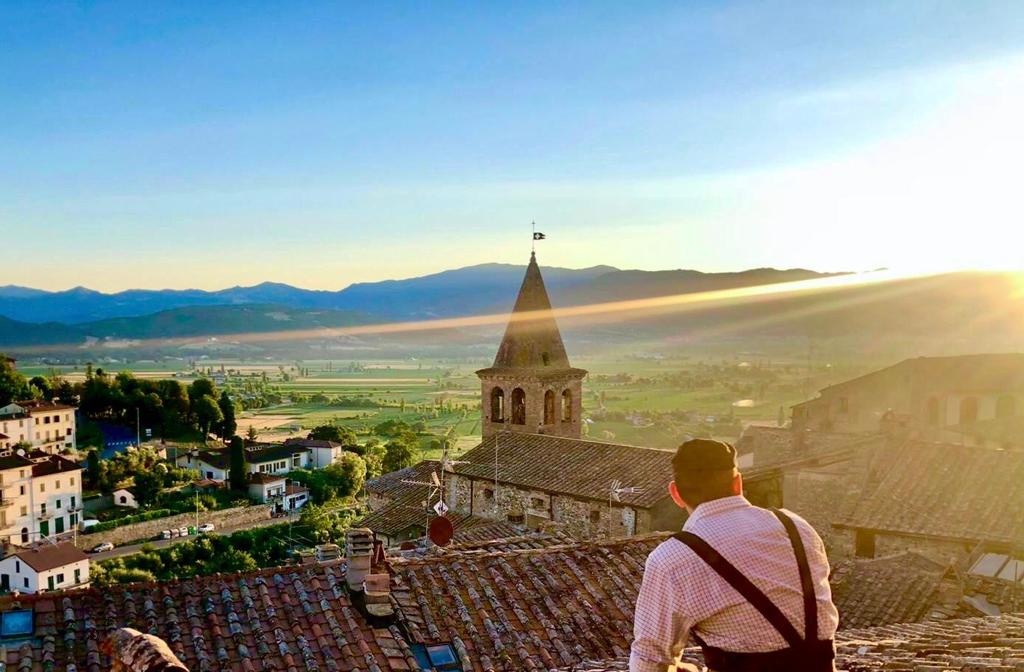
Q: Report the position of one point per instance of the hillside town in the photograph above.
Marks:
(525, 552)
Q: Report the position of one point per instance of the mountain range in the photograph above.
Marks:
(954, 308)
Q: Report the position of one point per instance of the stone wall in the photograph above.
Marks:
(887, 543)
(579, 517)
(149, 529)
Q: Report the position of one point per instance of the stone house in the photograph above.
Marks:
(553, 482)
(943, 398)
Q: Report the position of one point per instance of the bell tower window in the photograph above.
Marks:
(567, 406)
(518, 406)
(497, 405)
(549, 408)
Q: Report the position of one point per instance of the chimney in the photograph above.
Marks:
(359, 554)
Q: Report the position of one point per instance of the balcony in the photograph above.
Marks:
(6, 502)
(45, 515)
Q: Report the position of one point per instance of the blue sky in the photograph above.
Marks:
(212, 144)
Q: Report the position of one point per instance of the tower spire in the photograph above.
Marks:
(532, 339)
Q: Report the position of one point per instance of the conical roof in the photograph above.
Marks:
(532, 339)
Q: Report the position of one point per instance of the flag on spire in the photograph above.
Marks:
(537, 235)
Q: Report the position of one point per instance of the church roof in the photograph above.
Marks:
(532, 339)
(575, 467)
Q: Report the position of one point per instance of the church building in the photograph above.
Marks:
(532, 467)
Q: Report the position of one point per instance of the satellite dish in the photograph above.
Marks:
(440, 531)
(21, 451)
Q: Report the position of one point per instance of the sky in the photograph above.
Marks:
(178, 144)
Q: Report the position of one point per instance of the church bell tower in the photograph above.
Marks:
(531, 387)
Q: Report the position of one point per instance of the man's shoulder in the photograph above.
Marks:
(671, 555)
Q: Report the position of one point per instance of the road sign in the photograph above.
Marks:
(440, 508)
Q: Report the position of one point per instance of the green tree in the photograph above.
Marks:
(148, 485)
(345, 476)
(201, 387)
(343, 435)
(373, 454)
(228, 426)
(251, 435)
(399, 455)
(207, 413)
(238, 466)
(92, 467)
(13, 385)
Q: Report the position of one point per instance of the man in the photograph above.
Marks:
(750, 585)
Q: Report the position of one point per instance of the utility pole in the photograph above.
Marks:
(138, 429)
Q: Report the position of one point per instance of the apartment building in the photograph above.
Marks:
(40, 496)
(45, 425)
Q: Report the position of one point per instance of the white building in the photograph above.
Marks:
(125, 497)
(212, 465)
(45, 567)
(40, 496)
(43, 424)
(321, 452)
(277, 459)
(276, 490)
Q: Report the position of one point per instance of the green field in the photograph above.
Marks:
(643, 400)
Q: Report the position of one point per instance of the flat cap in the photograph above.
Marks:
(704, 455)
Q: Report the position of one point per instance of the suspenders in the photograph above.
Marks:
(802, 648)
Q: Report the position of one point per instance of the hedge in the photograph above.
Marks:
(129, 520)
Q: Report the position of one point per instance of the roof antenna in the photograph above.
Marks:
(616, 492)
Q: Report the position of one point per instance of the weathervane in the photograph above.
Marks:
(537, 235)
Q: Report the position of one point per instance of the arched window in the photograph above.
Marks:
(1005, 407)
(549, 408)
(567, 406)
(933, 411)
(968, 410)
(124, 499)
(24, 535)
(497, 405)
(518, 406)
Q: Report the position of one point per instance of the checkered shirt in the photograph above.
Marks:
(681, 594)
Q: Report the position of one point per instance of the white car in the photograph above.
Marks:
(183, 531)
(103, 548)
(205, 527)
(166, 534)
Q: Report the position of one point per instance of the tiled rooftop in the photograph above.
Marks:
(993, 644)
(525, 610)
(286, 620)
(896, 589)
(571, 466)
(948, 491)
(393, 484)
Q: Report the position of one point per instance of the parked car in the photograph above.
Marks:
(87, 524)
(175, 533)
(166, 534)
(205, 527)
(103, 548)
(183, 531)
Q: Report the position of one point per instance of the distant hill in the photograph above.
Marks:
(954, 312)
(177, 323)
(457, 292)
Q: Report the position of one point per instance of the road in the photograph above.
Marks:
(130, 549)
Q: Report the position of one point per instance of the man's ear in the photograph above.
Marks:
(676, 497)
(737, 484)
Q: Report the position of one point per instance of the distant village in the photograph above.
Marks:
(526, 551)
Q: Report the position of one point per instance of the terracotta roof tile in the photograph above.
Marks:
(571, 466)
(993, 644)
(896, 589)
(392, 484)
(259, 621)
(950, 492)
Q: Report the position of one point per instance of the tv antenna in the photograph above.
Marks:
(615, 494)
(435, 486)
